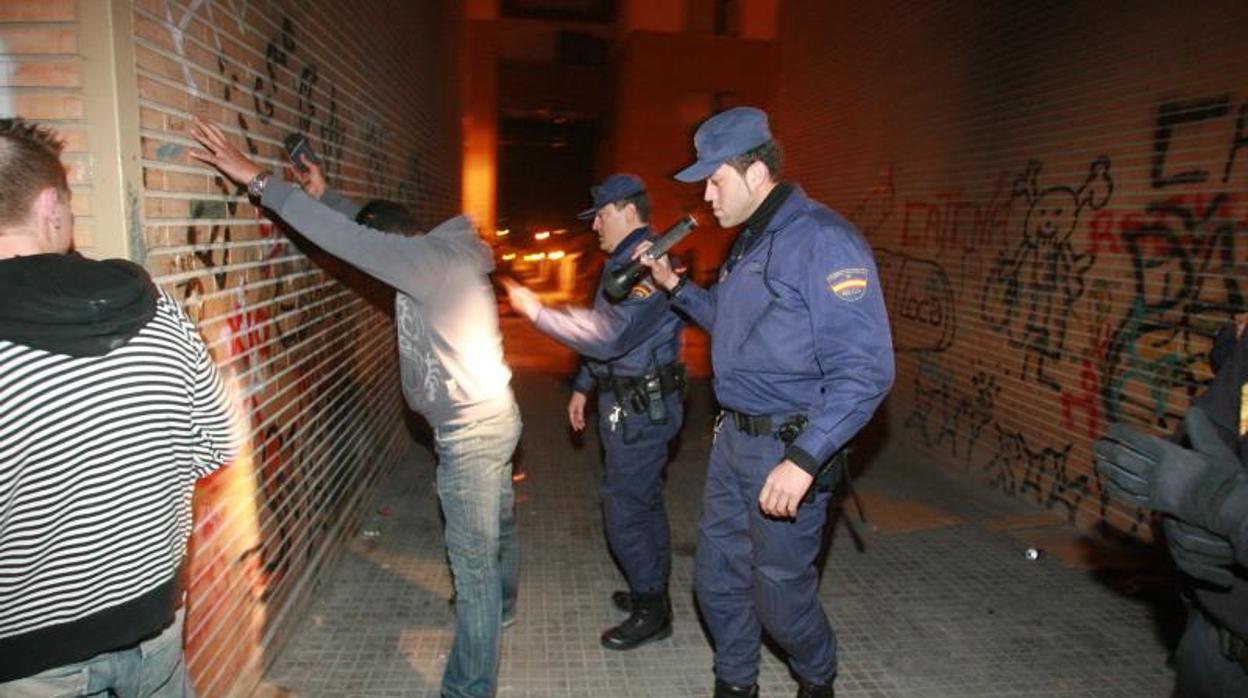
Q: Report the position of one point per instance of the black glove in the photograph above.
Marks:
(1200, 553)
(1190, 484)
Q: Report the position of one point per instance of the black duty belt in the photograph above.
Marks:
(671, 378)
(785, 428)
(1233, 646)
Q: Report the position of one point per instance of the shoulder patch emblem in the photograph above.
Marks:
(641, 290)
(848, 284)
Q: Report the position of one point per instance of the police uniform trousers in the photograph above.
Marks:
(635, 453)
(1201, 669)
(751, 571)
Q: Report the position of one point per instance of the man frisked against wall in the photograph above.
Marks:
(453, 374)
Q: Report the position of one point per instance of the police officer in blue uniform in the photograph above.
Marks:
(630, 354)
(802, 356)
(1198, 483)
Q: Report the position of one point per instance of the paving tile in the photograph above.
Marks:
(892, 516)
(938, 601)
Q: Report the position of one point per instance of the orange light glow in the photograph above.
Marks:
(226, 571)
(542, 235)
(479, 176)
(503, 233)
(557, 254)
(509, 256)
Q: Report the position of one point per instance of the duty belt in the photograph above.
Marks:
(1233, 646)
(784, 428)
(671, 378)
(787, 429)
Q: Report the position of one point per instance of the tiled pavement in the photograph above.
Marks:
(942, 602)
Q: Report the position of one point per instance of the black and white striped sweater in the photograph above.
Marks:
(103, 433)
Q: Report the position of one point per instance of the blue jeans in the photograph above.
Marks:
(474, 485)
(153, 668)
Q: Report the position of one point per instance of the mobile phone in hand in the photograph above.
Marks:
(297, 147)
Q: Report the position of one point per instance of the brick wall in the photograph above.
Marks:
(1057, 195)
(41, 78)
(307, 341)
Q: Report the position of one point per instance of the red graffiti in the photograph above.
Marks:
(1087, 401)
(249, 335)
(1101, 232)
(1108, 228)
(953, 222)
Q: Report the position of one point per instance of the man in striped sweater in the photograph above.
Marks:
(110, 410)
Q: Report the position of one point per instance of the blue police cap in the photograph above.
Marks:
(617, 186)
(723, 136)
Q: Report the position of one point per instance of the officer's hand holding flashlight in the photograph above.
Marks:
(784, 489)
(660, 269)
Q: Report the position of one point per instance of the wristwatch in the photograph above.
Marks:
(255, 188)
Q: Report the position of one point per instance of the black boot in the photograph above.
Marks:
(651, 619)
(815, 690)
(622, 600)
(727, 690)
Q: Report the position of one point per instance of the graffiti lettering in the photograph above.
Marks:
(953, 223)
(1171, 115)
(918, 291)
(1018, 468)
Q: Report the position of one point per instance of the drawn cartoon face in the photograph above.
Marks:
(1053, 215)
(1009, 447)
(986, 389)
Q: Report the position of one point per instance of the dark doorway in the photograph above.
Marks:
(546, 167)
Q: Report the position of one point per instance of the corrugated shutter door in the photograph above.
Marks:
(1058, 198)
(313, 358)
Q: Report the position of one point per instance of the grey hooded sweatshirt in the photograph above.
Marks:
(445, 312)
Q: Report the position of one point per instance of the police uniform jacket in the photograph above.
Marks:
(798, 326)
(630, 338)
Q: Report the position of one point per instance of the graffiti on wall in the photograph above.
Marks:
(1186, 250)
(1030, 292)
(310, 357)
(918, 294)
(292, 81)
(1040, 473)
(951, 222)
(1126, 342)
(949, 416)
